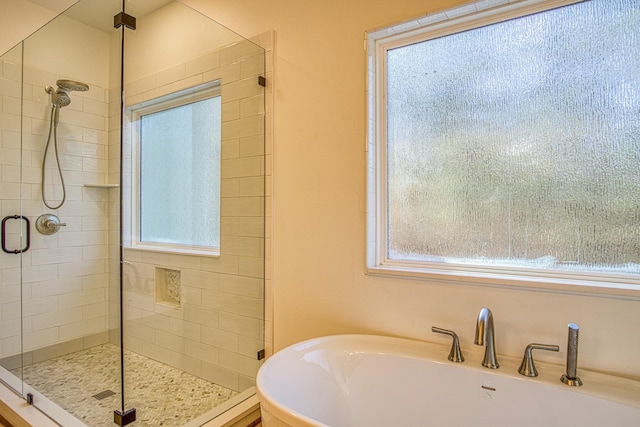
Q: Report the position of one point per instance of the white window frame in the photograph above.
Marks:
(134, 113)
(378, 42)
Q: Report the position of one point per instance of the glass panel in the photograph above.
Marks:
(10, 182)
(180, 175)
(71, 127)
(516, 144)
(197, 320)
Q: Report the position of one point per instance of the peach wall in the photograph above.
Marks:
(20, 18)
(71, 49)
(318, 281)
(164, 43)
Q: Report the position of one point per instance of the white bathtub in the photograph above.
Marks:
(362, 380)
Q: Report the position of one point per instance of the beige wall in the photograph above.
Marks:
(319, 285)
(20, 18)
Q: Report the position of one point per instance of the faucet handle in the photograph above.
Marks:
(527, 368)
(49, 224)
(455, 355)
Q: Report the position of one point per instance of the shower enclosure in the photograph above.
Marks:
(132, 197)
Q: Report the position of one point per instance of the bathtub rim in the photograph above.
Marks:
(625, 391)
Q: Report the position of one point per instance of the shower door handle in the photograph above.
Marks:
(4, 233)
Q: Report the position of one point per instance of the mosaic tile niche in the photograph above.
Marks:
(168, 287)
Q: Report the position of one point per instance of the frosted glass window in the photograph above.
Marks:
(518, 143)
(180, 175)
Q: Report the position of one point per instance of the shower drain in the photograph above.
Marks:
(103, 394)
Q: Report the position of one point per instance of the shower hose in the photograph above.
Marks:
(53, 131)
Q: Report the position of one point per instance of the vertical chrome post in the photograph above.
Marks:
(571, 377)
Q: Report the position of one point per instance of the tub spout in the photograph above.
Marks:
(485, 336)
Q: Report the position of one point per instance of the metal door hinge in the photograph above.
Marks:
(123, 19)
(123, 418)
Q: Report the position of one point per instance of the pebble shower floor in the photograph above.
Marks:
(87, 385)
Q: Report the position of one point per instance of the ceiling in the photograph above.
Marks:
(53, 5)
(99, 13)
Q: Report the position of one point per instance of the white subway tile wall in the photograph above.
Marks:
(64, 275)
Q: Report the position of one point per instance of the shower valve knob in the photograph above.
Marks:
(48, 224)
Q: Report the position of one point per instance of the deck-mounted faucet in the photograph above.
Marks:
(571, 377)
(484, 336)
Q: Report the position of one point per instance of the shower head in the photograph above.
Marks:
(60, 97)
(69, 85)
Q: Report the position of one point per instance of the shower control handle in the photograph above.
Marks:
(48, 224)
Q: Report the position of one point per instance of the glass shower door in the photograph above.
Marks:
(193, 206)
(69, 314)
(14, 226)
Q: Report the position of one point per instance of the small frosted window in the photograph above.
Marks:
(180, 175)
(518, 143)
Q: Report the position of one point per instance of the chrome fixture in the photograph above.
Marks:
(527, 367)
(455, 355)
(59, 98)
(571, 377)
(485, 336)
(49, 224)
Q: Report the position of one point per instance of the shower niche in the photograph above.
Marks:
(168, 287)
(84, 310)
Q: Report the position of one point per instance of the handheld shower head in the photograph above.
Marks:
(60, 97)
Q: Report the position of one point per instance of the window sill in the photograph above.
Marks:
(90, 185)
(616, 289)
(187, 250)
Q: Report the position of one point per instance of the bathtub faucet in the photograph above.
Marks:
(484, 336)
(571, 377)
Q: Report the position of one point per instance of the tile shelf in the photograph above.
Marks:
(102, 185)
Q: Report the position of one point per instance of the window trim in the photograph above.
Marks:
(134, 112)
(378, 42)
